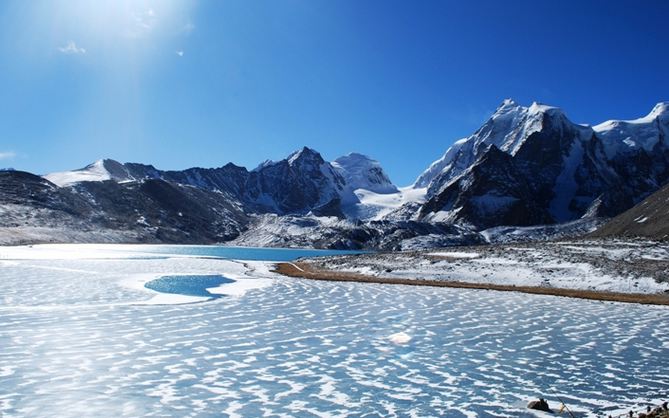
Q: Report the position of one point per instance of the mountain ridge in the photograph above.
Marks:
(525, 166)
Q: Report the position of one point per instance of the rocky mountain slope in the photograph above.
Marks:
(34, 209)
(331, 232)
(648, 219)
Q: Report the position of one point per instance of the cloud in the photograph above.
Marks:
(7, 155)
(180, 53)
(71, 49)
(188, 27)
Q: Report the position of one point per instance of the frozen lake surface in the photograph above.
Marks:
(81, 336)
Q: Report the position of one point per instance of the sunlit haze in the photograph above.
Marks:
(202, 83)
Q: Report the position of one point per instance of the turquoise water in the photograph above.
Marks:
(188, 285)
(242, 253)
(197, 285)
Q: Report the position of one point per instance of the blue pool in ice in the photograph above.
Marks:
(76, 340)
(188, 285)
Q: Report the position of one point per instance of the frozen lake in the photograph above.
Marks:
(80, 335)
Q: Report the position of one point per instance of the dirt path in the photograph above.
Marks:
(308, 271)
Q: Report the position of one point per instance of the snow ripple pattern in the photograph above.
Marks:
(75, 342)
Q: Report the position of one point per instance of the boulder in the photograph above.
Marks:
(540, 405)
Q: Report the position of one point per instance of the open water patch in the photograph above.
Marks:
(237, 253)
(188, 285)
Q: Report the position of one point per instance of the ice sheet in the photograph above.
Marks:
(79, 339)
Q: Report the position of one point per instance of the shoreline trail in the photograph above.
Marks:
(306, 270)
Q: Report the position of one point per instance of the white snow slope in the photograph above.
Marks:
(619, 136)
(101, 170)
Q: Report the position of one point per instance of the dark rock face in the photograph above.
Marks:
(301, 183)
(297, 185)
(229, 178)
(154, 210)
(167, 211)
(280, 231)
(22, 188)
(493, 193)
(540, 405)
(648, 219)
(639, 174)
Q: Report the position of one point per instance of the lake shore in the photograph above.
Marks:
(307, 271)
(605, 271)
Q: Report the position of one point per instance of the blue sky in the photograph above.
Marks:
(202, 83)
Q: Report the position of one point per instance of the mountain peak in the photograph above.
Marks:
(537, 107)
(510, 107)
(660, 109)
(508, 129)
(97, 163)
(233, 166)
(354, 156)
(508, 102)
(363, 172)
(507, 106)
(306, 154)
(621, 136)
(95, 171)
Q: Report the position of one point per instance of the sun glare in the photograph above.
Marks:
(100, 27)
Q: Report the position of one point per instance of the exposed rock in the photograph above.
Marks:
(540, 405)
(648, 219)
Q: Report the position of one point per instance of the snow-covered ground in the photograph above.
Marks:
(80, 336)
(271, 230)
(612, 266)
(25, 224)
(373, 205)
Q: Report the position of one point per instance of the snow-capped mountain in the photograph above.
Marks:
(531, 165)
(361, 172)
(508, 128)
(302, 183)
(100, 170)
(369, 194)
(526, 166)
